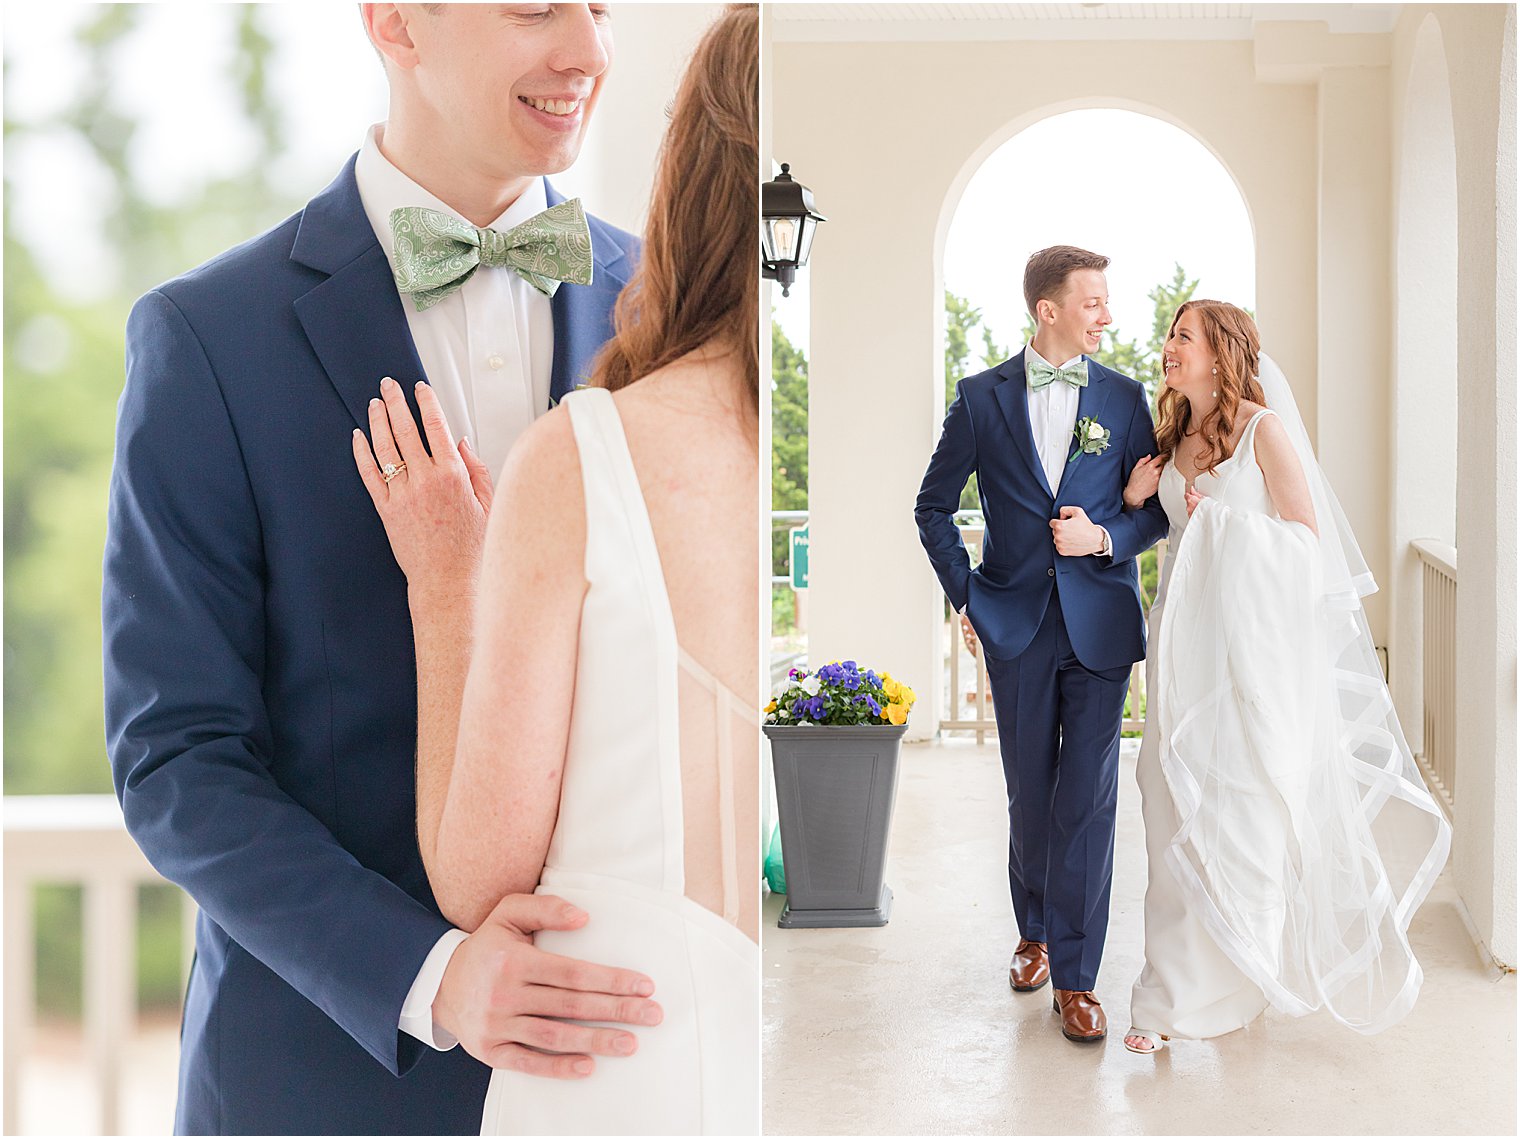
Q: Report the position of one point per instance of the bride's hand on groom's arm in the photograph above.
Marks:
(433, 506)
(499, 995)
(1143, 481)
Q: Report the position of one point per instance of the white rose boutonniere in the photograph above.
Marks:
(1091, 436)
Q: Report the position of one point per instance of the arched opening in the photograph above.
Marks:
(1125, 182)
(1425, 379)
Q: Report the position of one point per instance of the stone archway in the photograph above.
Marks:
(1185, 212)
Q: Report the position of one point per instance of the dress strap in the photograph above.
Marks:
(1248, 436)
(615, 503)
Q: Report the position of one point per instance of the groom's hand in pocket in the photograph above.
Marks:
(501, 996)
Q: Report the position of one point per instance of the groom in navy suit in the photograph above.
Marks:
(260, 680)
(1052, 436)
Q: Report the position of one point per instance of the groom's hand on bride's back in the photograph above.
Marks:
(499, 993)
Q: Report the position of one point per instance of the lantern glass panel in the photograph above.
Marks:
(779, 236)
(805, 242)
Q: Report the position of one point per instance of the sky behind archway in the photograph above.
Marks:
(1143, 192)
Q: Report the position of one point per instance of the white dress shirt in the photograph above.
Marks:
(1052, 419)
(487, 350)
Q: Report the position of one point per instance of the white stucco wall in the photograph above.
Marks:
(1424, 298)
(1355, 310)
(1479, 50)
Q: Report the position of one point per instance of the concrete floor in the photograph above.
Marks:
(912, 1029)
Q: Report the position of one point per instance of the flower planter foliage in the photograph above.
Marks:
(840, 694)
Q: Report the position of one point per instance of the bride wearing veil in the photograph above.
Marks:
(1289, 835)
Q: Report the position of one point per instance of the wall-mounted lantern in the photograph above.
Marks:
(789, 222)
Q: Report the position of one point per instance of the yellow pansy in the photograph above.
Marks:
(891, 687)
(771, 707)
(907, 695)
(897, 714)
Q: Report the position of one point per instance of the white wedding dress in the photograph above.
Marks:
(1288, 835)
(645, 713)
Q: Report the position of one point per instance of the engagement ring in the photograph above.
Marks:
(391, 470)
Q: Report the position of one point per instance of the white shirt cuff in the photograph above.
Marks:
(417, 1009)
(1108, 543)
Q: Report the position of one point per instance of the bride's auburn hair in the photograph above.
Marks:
(1236, 344)
(696, 281)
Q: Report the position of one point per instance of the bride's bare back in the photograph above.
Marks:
(693, 437)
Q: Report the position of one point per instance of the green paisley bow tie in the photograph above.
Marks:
(435, 252)
(1040, 374)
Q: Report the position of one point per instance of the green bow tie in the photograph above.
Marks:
(1040, 374)
(435, 252)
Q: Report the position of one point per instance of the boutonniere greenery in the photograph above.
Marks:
(1091, 436)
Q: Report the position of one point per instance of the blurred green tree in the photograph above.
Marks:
(789, 460)
(963, 324)
(63, 369)
(63, 373)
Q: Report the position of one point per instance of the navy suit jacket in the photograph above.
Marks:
(987, 431)
(260, 683)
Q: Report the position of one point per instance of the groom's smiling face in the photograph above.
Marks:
(520, 81)
(1073, 324)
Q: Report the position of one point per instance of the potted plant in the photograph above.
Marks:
(835, 735)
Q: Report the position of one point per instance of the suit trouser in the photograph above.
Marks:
(1058, 728)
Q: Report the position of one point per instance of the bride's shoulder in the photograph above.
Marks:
(1270, 441)
(1250, 409)
(543, 468)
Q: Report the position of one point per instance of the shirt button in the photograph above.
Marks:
(494, 362)
(1050, 573)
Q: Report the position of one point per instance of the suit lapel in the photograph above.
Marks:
(583, 313)
(1012, 396)
(353, 319)
(1090, 403)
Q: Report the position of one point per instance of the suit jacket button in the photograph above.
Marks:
(1050, 573)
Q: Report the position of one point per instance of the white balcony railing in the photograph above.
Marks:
(1438, 750)
(978, 716)
(76, 839)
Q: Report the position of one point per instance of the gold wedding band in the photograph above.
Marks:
(391, 470)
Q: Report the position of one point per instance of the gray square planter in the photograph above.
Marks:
(834, 791)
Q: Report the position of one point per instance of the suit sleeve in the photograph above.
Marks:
(939, 497)
(187, 728)
(1134, 531)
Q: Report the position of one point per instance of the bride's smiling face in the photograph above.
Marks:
(1186, 357)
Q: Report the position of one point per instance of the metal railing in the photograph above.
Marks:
(1438, 751)
(76, 839)
(979, 718)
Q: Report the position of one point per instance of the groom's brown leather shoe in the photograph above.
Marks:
(1030, 967)
(1082, 1018)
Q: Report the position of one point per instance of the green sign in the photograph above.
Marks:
(799, 557)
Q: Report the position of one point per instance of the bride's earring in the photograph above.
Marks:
(1214, 372)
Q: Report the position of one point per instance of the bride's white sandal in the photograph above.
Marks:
(1156, 1040)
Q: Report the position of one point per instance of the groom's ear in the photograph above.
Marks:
(389, 30)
